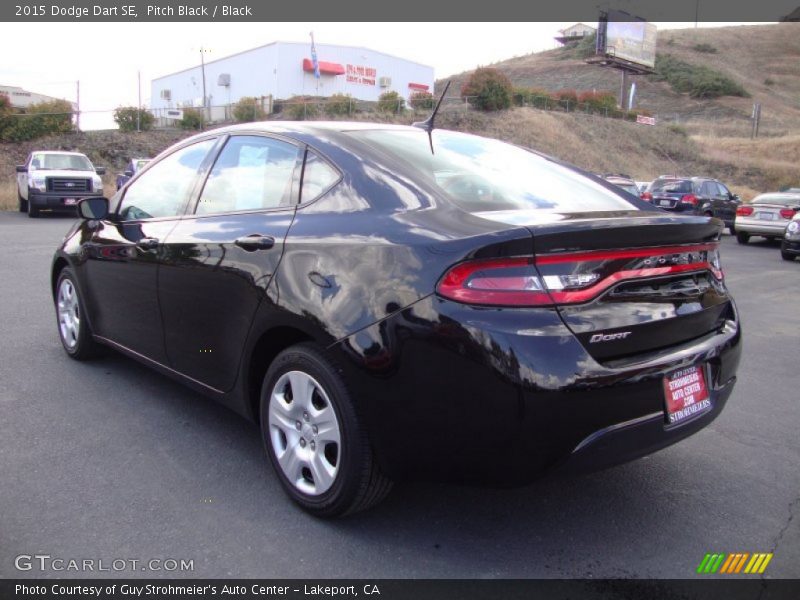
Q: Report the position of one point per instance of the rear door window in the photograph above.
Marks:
(251, 173)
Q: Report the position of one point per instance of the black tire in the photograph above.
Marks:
(358, 482)
(33, 212)
(742, 237)
(787, 256)
(732, 229)
(23, 204)
(82, 346)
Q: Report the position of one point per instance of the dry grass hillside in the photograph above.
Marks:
(593, 143)
(765, 59)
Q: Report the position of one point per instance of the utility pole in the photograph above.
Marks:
(78, 115)
(203, 69)
(139, 105)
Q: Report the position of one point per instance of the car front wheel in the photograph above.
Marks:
(73, 329)
(23, 204)
(787, 256)
(314, 437)
(742, 237)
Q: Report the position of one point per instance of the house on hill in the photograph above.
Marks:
(574, 33)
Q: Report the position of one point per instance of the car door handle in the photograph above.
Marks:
(255, 242)
(147, 243)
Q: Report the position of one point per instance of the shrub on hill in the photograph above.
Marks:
(488, 89)
(125, 117)
(696, 80)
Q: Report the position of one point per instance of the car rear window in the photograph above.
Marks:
(674, 186)
(480, 174)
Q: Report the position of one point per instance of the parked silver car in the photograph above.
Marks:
(767, 216)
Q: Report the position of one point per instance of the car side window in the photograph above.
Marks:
(318, 176)
(164, 190)
(709, 190)
(251, 173)
(723, 191)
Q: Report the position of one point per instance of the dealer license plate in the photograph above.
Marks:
(686, 394)
(70, 201)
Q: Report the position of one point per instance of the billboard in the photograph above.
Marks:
(625, 39)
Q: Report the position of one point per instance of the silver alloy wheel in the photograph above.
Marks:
(304, 432)
(69, 315)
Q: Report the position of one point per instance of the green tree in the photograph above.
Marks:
(39, 119)
(421, 101)
(248, 109)
(391, 102)
(192, 119)
(125, 117)
(488, 89)
(339, 104)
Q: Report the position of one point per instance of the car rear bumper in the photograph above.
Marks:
(759, 227)
(502, 397)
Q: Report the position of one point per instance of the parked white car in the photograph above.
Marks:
(56, 180)
(767, 215)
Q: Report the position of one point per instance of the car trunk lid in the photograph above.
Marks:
(630, 282)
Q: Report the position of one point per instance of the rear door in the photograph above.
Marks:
(220, 259)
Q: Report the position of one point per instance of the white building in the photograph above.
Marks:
(281, 70)
(21, 98)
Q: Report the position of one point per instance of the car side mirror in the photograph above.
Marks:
(95, 207)
(128, 173)
(736, 198)
(100, 170)
(22, 169)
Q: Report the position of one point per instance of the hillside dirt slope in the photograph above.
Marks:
(765, 59)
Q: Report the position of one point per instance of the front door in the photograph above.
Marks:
(124, 252)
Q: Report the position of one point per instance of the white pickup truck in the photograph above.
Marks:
(56, 180)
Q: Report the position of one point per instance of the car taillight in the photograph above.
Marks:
(744, 211)
(646, 196)
(689, 199)
(787, 213)
(568, 278)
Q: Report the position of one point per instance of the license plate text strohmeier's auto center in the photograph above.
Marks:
(685, 385)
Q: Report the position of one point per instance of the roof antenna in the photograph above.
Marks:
(427, 124)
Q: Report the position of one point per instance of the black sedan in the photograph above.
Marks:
(390, 306)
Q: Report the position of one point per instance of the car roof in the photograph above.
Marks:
(311, 126)
(57, 152)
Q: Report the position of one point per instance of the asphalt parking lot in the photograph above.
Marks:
(108, 460)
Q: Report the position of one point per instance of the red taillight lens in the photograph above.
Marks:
(689, 199)
(646, 196)
(499, 282)
(744, 211)
(787, 213)
(568, 278)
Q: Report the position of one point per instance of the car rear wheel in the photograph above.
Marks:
(787, 256)
(73, 328)
(314, 437)
(742, 237)
(732, 229)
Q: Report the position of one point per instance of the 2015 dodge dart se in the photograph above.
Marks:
(392, 303)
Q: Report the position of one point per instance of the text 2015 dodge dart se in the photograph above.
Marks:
(391, 306)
